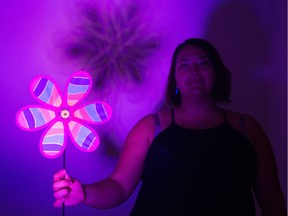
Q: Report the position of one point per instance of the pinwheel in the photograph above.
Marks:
(63, 114)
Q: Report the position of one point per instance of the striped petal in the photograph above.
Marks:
(94, 112)
(78, 86)
(44, 90)
(53, 141)
(83, 137)
(34, 117)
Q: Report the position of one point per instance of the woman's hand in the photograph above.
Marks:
(68, 191)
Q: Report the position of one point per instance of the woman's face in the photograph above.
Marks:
(194, 73)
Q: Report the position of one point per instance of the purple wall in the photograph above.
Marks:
(250, 35)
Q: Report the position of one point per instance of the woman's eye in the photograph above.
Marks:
(204, 63)
(183, 65)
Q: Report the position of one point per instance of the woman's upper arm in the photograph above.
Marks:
(267, 188)
(130, 165)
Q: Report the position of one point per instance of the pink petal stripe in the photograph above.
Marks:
(54, 131)
(48, 115)
(72, 99)
(22, 120)
(74, 128)
(51, 153)
(82, 114)
(55, 98)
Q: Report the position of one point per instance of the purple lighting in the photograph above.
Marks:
(33, 42)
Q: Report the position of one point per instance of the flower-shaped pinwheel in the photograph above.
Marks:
(63, 114)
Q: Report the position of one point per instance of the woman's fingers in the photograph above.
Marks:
(61, 180)
(62, 184)
(59, 175)
(59, 202)
(67, 190)
(67, 177)
(61, 193)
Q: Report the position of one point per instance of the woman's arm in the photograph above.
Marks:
(119, 186)
(267, 187)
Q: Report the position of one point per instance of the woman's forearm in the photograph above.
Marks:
(104, 194)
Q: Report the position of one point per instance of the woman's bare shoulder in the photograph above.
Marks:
(232, 113)
(233, 117)
(245, 122)
(146, 123)
(237, 120)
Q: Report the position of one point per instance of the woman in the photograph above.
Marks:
(193, 159)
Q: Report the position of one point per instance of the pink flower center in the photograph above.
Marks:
(65, 113)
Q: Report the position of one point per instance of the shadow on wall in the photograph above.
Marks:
(241, 41)
(236, 32)
(114, 43)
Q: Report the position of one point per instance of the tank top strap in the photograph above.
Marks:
(242, 123)
(157, 124)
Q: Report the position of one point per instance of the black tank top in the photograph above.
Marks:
(197, 172)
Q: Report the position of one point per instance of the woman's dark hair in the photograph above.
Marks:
(222, 86)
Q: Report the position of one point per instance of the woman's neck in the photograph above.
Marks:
(198, 108)
(198, 115)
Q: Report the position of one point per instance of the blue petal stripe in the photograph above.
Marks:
(53, 139)
(101, 111)
(72, 89)
(40, 87)
(46, 94)
(82, 135)
(88, 141)
(29, 118)
(91, 111)
(80, 81)
(38, 116)
(51, 147)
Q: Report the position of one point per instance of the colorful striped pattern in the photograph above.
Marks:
(78, 87)
(96, 112)
(31, 118)
(46, 91)
(53, 140)
(86, 139)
